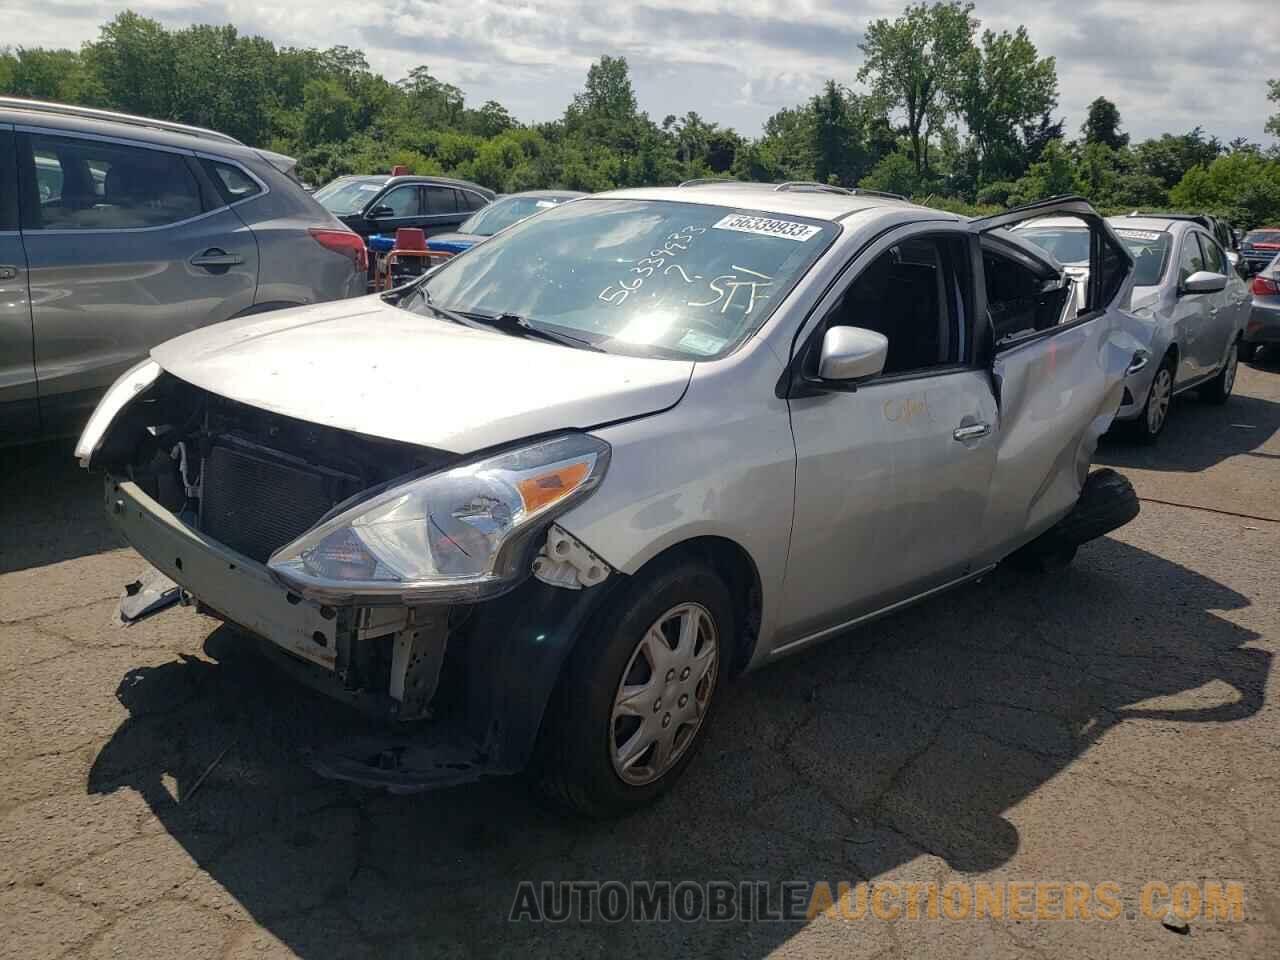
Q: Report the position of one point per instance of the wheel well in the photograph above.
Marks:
(733, 563)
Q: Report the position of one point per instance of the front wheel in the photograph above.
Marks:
(1218, 390)
(637, 693)
(1151, 420)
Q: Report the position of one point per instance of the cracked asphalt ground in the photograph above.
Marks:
(1116, 721)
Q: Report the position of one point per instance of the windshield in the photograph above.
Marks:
(1067, 244)
(646, 277)
(503, 213)
(1150, 250)
(1263, 236)
(343, 197)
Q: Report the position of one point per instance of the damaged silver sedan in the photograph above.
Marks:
(538, 508)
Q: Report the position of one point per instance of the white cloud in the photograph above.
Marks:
(1168, 64)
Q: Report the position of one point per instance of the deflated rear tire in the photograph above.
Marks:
(636, 696)
(1107, 501)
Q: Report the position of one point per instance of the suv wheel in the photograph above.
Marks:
(637, 693)
(1218, 390)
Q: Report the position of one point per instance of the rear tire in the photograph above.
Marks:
(1107, 502)
(1218, 390)
(621, 688)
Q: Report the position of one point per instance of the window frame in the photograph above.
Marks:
(9, 189)
(1022, 258)
(796, 382)
(217, 185)
(425, 203)
(381, 200)
(1189, 237)
(25, 157)
(1224, 265)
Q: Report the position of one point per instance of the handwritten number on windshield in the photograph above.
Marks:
(727, 285)
(675, 244)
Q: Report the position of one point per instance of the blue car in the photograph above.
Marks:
(499, 215)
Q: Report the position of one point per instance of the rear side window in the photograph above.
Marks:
(470, 201)
(232, 183)
(441, 200)
(97, 185)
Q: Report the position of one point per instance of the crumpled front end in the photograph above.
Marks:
(209, 491)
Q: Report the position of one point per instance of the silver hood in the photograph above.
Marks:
(366, 366)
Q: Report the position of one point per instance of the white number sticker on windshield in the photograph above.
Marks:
(1138, 235)
(767, 227)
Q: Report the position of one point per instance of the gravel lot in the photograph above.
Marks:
(1117, 721)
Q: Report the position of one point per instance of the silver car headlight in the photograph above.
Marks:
(452, 536)
(131, 383)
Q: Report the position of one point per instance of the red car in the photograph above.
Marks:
(1259, 247)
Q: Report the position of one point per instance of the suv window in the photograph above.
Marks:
(441, 200)
(912, 295)
(1021, 301)
(470, 201)
(97, 185)
(1191, 260)
(1214, 258)
(232, 183)
(403, 201)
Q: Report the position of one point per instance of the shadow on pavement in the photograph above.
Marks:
(1198, 436)
(849, 762)
(50, 509)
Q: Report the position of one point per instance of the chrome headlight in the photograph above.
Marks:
(452, 536)
(131, 383)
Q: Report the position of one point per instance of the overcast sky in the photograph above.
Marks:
(1168, 64)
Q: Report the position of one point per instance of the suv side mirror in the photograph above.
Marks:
(381, 211)
(852, 353)
(1204, 281)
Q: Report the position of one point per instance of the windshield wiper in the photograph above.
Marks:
(519, 326)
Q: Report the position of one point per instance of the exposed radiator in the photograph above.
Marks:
(256, 503)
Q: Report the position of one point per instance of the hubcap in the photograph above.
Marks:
(664, 694)
(1229, 378)
(1158, 402)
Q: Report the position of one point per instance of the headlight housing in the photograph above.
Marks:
(131, 383)
(458, 535)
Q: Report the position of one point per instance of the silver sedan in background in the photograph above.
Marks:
(1191, 302)
(1263, 326)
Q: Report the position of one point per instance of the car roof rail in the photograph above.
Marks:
(702, 181)
(801, 185)
(111, 116)
(863, 192)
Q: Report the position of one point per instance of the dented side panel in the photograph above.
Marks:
(1056, 396)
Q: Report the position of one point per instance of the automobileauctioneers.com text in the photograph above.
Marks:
(614, 901)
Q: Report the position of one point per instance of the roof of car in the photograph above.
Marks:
(819, 204)
(71, 119)
(441, 181)
(1155, 222)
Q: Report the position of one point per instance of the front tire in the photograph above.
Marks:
(637, 693)
(1218, 390)
(1150, 422)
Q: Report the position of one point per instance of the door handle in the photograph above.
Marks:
(7, 272)
(214, 258)
(973, 431)
(1213, 312)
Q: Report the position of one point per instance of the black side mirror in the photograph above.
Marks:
(381, 212)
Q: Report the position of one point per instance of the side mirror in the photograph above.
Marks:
(852, 353)
(381, 212)
(1204, 281)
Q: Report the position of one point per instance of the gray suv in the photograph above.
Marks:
(118, 233)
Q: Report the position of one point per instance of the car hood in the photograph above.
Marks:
(372, 368)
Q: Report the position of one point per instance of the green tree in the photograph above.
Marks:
(1170, 157)
(1243, 187)
(328, 112)
(895, 173)
(1052, 176)
(133, 61)
(1273, 94)
(1102, 125)
(1004, 88)
(915, 63)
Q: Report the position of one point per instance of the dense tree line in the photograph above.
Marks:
(945, 112)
